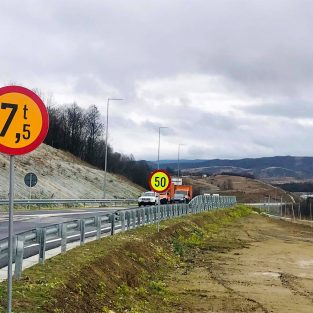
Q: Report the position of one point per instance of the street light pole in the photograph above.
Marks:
(106, 146)
(159, 146)
(159, 204)
(179, 145)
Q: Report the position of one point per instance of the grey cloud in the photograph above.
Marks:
(289, 109)
(260, 48)
(264, 46)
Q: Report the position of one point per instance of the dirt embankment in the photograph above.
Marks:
(223, 261)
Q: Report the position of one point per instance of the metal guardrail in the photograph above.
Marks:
(212, 202)
(40, 240)
(67, 201)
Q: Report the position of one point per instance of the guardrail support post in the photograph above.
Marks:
(82, 231)
(42, 245)
(63, 237)
(98, 225)
(146, 215)
(154, 210)
(112, 217)
(162, 212)
(133, 218)
(143, 216)
(127, 214)
(138, 217)
(122, 216)
(19, 257)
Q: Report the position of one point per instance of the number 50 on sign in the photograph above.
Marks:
(160, 181)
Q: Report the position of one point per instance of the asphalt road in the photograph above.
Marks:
(27, 220)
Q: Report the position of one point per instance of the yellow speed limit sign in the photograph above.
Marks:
(24, 120)
(160, 181)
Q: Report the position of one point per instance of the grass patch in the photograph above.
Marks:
(122, 273)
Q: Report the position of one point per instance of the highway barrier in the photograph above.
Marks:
(70, 201)
(39, 241)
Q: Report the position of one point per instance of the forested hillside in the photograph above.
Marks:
(81, 132)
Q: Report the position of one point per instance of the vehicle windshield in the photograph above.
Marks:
(181, 192)
(148, 193)
(178, 195)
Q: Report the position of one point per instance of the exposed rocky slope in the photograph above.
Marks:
(61, 175)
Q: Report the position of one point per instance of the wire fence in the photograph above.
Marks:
(301, 211)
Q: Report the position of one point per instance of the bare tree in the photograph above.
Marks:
(94, 129)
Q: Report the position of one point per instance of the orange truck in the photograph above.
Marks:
(165, 197)
(183, 193)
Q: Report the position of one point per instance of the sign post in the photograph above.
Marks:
(159, 181)
(10, 243)
(24, 124)
(30, 180)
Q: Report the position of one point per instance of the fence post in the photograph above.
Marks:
(19, 257)
(42, 244)
(82, 231)
(63, 237)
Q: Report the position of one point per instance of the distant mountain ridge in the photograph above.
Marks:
(264, 167)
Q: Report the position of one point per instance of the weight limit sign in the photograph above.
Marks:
(24, 120)
(24, 124)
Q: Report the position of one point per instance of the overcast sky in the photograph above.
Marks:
(230, 79)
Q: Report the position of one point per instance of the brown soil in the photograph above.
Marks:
(272, 273)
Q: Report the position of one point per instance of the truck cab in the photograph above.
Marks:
(185, 190)
(165, 197)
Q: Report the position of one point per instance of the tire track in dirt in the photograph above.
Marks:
(216, 277)
(292, 283)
